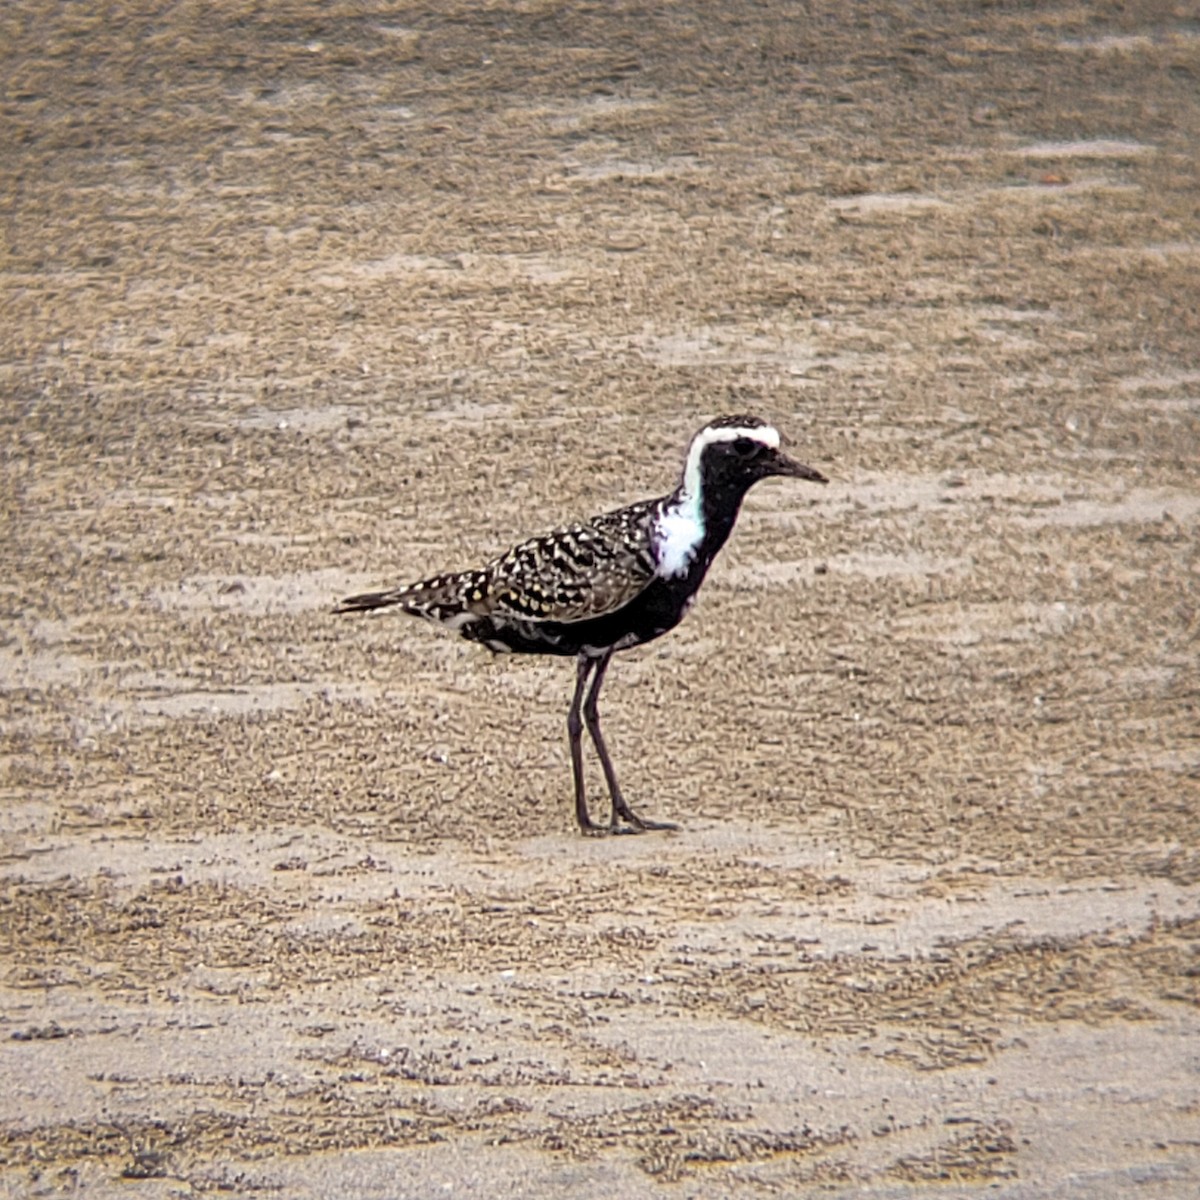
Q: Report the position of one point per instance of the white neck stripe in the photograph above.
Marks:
(681, 526)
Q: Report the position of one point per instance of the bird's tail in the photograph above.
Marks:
(441, 598)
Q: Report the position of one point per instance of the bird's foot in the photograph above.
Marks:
(627, 821)
(630, 825)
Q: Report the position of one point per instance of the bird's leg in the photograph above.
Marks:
(591, 714)
(574, 734)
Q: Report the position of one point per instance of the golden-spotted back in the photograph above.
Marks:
(575, 573)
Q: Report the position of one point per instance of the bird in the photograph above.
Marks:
(591, 589)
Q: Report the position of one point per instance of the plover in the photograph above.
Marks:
(618, 580)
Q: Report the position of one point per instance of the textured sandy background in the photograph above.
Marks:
(299, 299)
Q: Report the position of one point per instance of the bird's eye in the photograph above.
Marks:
(745, 447)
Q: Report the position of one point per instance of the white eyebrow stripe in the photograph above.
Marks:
(768, 435)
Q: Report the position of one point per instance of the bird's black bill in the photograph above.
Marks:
(783, 465)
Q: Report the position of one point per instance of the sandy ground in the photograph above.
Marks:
(301, 298)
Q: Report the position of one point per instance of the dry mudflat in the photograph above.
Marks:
(302, 298)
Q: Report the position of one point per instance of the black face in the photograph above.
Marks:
(747, 460)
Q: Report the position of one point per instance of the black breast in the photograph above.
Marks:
(656, 610)
(653, 612)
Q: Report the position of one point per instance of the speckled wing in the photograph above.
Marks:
(577, 572)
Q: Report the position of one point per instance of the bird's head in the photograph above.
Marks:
(733, 453)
